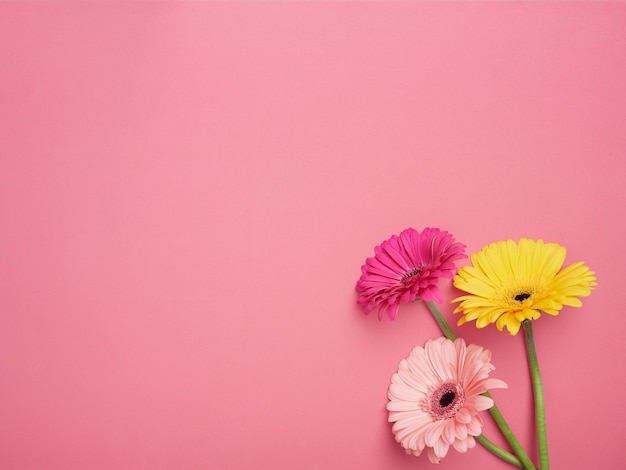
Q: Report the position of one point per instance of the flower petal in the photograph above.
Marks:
(405, 267)
(435, 397)
(509, 282)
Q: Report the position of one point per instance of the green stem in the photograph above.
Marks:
(540, 412)
(441, 321)
(510, 437)
(524, 460)
(498, 451)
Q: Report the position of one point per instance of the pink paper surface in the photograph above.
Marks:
(188, 191)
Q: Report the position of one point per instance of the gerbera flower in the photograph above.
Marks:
(435, 397)
(511, 282)
(405, 267)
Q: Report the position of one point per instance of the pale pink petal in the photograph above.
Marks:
(461, 432)
(433, 433)
(482, 403)
(441, 449)
(474, 427)
(495, 383)
(432, 456)
(460, 445)
(463, 416)
(435, 397)
(449, 431)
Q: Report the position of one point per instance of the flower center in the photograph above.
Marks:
(411, 273)
(516, 295)
(444, 401)
(447, 399)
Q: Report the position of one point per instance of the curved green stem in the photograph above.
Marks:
(540, 413)
(510, 437)
(524, 460)
(498, 451)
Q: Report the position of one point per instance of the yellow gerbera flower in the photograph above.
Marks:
(511, 282)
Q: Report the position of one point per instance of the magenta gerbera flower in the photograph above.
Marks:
(435, 397)
(406, 267)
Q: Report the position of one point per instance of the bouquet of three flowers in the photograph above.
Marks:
(439, 390)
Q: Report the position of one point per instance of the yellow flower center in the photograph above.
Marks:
(520, 293)
(521, 297)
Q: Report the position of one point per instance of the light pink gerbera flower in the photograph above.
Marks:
(435, 397)
(405, 267)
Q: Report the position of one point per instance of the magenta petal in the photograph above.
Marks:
(407, 266)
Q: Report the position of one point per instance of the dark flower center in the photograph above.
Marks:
(447, 399)
(444, 401)
(521, 297)
(411, 273)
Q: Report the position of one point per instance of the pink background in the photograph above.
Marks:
(188, 191)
